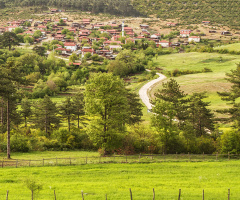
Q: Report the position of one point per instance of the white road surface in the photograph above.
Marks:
(143, 92)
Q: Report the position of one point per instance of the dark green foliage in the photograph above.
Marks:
(9, 39)
(45, 115)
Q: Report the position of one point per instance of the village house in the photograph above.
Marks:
(86, 21)
(205, 22)
(87, 50)
(164, 43)
(226, 33)
(194, 39)
(10, 28)
(70, 45)
(59, 37)
(117, 47)
(185, 33)
(144, 26)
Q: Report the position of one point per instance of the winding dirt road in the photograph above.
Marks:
(143, 92)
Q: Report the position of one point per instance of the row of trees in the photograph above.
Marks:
(106, 101)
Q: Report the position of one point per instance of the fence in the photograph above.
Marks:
(131, 195)
(141, 158)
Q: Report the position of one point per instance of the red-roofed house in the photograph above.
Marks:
(185, 33)
(164, 43)
(87, 50)
(206, 22)
(86, 21)
(59, 37)
(70, 45)
(11, 28)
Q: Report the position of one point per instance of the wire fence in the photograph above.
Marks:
(140, 158)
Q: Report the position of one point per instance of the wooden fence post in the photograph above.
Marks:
(130, 193)
(139, 157)
(16, 163)
(189, 157)
(228, 194)
(29, 163)
(7, 195)
(70, 161)
(2, 163)
(228, 156)
(217, 156)
(153, 194)
(82, 195)
(55, 195)
(126, 158)
(179, 194)
(203, 194)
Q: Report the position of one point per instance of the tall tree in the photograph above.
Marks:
(231, 97)
(163, 121)
(9, 39)
(106, 103)
(199, 116)
(45, 115)
(67, 110)
(10, 79)
(78, 104)
(134, 108)
(26, 110)
(172, 93)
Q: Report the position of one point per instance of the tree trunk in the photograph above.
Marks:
(25, 121)
(8, 131)
(46, 130)
(68, 123)
(2, 115)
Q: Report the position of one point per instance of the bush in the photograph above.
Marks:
(19, 143)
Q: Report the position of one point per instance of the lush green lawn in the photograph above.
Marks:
(210, 82)
(230, 47)
(96, 180)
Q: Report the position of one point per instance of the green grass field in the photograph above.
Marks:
(210, 82)
(97, 180)
(230, 47)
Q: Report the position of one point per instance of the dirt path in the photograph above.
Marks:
(143, 92)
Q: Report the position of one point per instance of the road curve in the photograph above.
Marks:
(143, 91)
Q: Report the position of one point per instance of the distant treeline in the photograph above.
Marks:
(187, 11)
(116, 7)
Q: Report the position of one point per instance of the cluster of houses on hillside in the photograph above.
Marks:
(81, 30)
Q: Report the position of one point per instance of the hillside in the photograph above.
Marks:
(184, 11)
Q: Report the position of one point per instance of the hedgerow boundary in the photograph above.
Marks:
(140, 158)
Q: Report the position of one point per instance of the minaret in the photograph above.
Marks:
(122, 28)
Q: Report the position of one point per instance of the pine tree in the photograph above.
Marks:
(45, 115)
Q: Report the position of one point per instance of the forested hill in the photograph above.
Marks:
(188, 11)
(193, 11)
(115, 7)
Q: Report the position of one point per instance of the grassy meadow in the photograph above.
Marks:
(230, 47)
(97, 180)
(211, 82)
